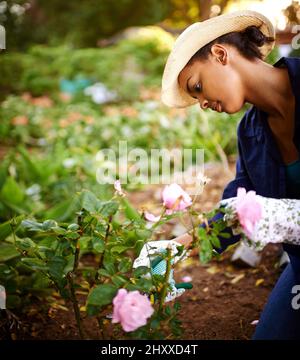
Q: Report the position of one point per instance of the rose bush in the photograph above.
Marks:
(114, 232)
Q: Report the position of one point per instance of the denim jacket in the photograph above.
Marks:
(259, 165)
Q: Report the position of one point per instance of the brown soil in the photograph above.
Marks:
(225, 299)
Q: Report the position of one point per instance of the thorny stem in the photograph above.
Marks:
(166, 282)
(105, 241)
(193, 230)
(100, 320)
(77, 247)
(100, 325)
(71, 282)
(75, 304)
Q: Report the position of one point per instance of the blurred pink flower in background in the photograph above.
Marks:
(186, 279)
(131, 309)
(118, 188)
(20, 120)
(175, 198)
(248, 209)
(150, 217)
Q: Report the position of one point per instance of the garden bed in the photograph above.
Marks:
(223, 303)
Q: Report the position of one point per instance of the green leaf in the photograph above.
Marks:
(34, 264)
(155, 324)
(177, 306)
(109, 208)
(215, 241)
(32, 225)
(130, 212)
(25, 244)
(49, 224)
(110, 267)
(206, 251)
(202, 233)
(8, 252)
(6, 227)
(85, 242)
(102, 295)
(92, 310)
(168, 310)
(225, 235)
(63, 211)
(69, 234)
(125, 265)
(69, 264)
(138, 246)
(56, 266)
(5, 230)
(119, 249)
(5, 271)
(89, 201)
(144, 284)
(104, 272)
(141, 270)
(73, 227)
(119, 280)
(98, 244)
(144, 234)
(11, 192)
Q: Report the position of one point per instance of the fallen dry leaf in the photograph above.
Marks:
(213, 270)
(237, 278)
(259, 281)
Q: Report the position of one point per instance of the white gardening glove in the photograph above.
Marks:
(279, 222)
(151, 251)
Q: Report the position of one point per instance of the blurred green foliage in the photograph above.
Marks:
(80, 23)
(84, 23)
(124, 67)
(51, 151)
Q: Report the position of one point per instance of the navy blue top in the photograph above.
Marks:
(260, 166)
(292, 172)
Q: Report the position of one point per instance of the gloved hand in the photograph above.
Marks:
(151, 256)
(279, 222)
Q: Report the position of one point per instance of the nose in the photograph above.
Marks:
(203, 104)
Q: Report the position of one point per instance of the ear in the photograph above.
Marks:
(220, 53)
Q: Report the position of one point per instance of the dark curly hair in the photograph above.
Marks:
(247, 43)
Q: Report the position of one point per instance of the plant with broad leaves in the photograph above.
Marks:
(115, 233)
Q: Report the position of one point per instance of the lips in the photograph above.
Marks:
(217, 107)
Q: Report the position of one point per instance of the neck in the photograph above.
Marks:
(269, 89)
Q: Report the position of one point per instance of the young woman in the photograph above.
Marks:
(219, 64)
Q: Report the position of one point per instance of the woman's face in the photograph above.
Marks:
(215, 82)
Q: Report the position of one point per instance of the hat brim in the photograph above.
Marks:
(198, 35)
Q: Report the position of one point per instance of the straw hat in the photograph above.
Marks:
(198, 35)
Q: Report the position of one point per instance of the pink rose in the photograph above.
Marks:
(248, 209)
(175, 198)
(131, 309)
